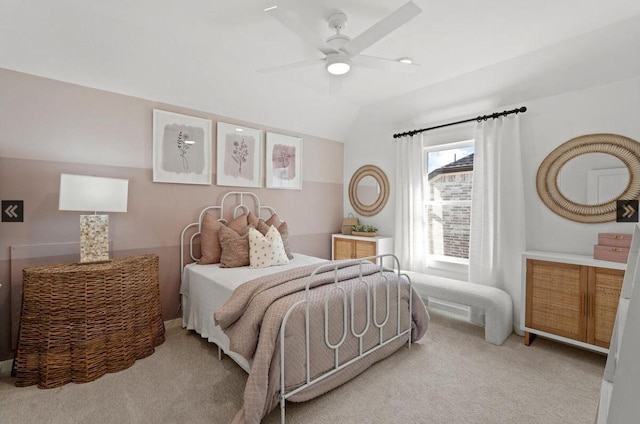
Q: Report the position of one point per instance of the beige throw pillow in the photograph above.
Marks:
(273, 220)
(210, 248)
(210, 240)
(282, 228)
(239, 224)
(234, 248)
(266, 250)
(252, 219)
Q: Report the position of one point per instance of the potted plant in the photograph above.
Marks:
(364, 230)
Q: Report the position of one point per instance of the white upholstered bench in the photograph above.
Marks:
(496, 303)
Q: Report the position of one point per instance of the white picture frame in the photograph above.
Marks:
(181, 148)
(239, 156)
(283, 157)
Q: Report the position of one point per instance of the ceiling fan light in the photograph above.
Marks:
(338, 64)
(338, 68)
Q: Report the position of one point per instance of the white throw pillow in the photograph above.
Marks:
(266, 250)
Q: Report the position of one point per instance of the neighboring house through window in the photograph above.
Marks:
(449, 175)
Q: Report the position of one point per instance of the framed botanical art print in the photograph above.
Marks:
(283, 161)
(181, 148)
(239, 156)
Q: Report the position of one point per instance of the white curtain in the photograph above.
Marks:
(410, 229)
(497, 238)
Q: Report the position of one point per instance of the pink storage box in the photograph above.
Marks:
(614, 240)
(610, 253)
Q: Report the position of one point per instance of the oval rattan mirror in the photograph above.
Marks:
(368, 205)
(623, 148)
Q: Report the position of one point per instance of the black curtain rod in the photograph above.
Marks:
(479, 118)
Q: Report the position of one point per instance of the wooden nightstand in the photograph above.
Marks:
(80, 321)
(355, 247)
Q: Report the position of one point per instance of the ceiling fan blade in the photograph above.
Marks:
(296, 65)
(382, 28)
(335, 83)
(382, 63)
(302, 32)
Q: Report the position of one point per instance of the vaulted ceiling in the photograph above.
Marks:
(206, 54)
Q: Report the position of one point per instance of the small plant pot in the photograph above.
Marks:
(363, 234)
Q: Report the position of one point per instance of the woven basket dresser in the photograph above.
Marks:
(81, 321)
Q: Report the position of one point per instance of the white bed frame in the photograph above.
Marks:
(372, 308)
(347, 296)
(240, 205)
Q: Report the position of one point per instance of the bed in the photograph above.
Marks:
(337, 317)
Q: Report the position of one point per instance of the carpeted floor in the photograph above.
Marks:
(451, 376)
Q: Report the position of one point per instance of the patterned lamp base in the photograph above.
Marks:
(94, 238)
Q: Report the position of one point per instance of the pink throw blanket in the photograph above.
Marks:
(252, 317)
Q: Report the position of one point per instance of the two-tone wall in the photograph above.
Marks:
(50, 127)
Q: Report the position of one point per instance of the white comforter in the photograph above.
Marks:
(205, 288)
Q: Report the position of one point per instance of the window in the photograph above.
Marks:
(449, 176)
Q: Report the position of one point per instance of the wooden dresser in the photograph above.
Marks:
(570, 298)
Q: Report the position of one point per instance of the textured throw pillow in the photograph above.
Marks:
(210, 240)
(273, 220)
(282, 228)
(234, 248)
(252, 219)
(239, 224)
(266, 250)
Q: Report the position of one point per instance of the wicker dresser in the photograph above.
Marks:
(571, 298)
(80, 321)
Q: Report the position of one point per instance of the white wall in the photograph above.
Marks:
(575, 66)
(610, 108)
(371, 143)
(548, 122)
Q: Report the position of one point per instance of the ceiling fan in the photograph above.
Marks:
(340, 51)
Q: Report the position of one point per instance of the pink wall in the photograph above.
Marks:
(50, 127)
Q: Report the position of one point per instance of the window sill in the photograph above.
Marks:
(448, 260)
(446, 266)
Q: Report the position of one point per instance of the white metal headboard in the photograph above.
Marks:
(236, 198)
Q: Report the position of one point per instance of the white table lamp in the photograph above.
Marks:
(97, 194)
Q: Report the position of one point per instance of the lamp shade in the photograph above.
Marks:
(93, 194)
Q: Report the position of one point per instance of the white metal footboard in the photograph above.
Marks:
(371, 310)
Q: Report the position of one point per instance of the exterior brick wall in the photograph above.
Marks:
(449, 225)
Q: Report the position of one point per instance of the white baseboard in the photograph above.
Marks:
(5, 366)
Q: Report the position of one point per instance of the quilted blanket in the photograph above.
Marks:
(252, 318)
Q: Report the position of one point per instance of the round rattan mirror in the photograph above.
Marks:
(368, 190)
(625, 149)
